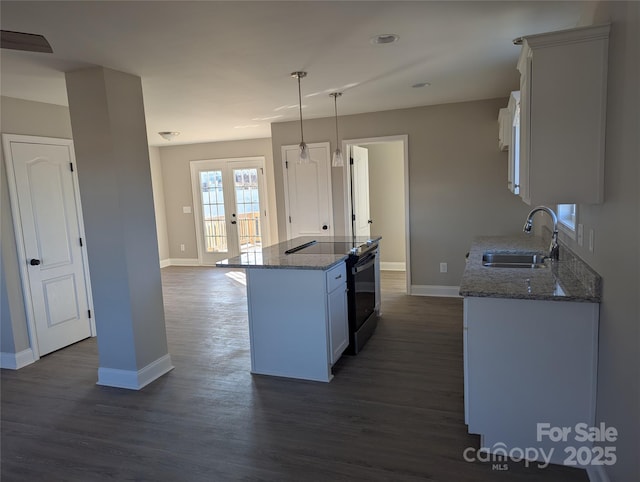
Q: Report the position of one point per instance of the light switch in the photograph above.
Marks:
(186, 209)
(591, 236)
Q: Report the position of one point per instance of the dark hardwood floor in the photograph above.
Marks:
(392, 413)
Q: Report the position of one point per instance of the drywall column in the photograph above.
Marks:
(110, 140)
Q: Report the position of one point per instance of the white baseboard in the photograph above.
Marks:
(435, 290)
(393, 266)
(15, 361)
(165, 262)
(597, 473)
(134, 380)
(184, 262)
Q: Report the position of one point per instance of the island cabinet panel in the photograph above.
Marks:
(297, 328)
(529, 362)
(338, 316)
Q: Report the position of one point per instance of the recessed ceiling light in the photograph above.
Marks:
(168, 135)
(421, 84)
(384, 38)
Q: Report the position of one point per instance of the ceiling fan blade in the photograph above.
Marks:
(30, 42)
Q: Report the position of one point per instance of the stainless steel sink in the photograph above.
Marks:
(513, 260)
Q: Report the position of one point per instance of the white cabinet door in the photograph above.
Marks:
(529, 362)
(562, 123)
(513, 173)
(338, 324)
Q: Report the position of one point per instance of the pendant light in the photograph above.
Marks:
(336, 160)
(304, 156)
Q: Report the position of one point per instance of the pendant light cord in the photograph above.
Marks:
(300, 106)
(335, 108)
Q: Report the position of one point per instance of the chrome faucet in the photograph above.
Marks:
(554, 250)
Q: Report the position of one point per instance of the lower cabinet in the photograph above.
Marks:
(298, 324)
(338, 322)
(529, 367)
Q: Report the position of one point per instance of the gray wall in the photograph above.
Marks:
(177, 186)
(616, 255)
(157, 182)
(457, 178)
(29, 118)
(386, 198)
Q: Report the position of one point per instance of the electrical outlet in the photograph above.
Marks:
(186, 210)
(182, 247)
(443, 267)
(591, 236)
(580, 234)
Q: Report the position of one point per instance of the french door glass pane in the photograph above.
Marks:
(214, 222)
(248, 208)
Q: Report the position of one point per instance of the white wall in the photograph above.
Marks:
(386, 200)
(616, 255)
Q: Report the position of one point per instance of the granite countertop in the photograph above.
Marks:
(568, 279)
(274, 257)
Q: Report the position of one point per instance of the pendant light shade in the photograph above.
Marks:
(304, 157)
(337, 159)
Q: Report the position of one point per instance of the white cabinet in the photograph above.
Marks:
(528, 362)
(338, 323)
(513, 172)
(298, 324)
(562, 116)
(504, 129)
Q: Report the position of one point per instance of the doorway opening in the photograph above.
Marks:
(376, 193)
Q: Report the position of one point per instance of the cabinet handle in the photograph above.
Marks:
(338, 277)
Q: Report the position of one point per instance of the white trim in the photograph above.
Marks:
(165, 262)
(435, 290)
(15, 361)
(184, 262)
(134, 380)
(393, 266)
(597, 473)
(347, 198)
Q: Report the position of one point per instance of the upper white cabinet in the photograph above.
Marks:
(504, 129)
(513, 174)
(562, 116)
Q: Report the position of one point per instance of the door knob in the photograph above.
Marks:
(234, 222)
(325, 227)
(34, 262)
(370, 221)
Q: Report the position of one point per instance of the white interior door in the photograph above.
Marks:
(308, 198)
(360, 178)
(47, 218)
(230, 207)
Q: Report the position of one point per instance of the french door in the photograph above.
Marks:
(230, 207)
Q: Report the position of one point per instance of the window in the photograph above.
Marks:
(567, 218)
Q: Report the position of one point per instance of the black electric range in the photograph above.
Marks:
(361, 285)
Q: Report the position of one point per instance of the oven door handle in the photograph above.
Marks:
(361, 267)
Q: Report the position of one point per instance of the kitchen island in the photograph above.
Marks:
(298, 308)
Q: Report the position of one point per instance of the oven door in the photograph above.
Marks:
(364, 286)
